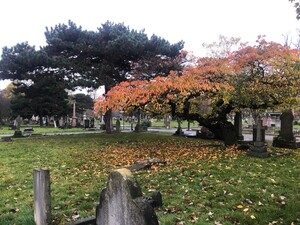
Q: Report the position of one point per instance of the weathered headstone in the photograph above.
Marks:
(259, 148)
(18, 132)
(42, 197)
(18, 122)
(286, 137)
(122, 202)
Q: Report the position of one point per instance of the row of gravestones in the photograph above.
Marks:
(285, 139)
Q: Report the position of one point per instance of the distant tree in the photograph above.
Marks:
(297, 7)
(38, 88)
(223, 48)
(5, 110)
(105, 57)
(44, 98)
(76, 57)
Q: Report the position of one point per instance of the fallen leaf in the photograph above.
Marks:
(246, 209)
(240, 206)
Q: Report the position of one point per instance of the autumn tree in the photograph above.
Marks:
(185, 96)
(266, 76)
(260, 77)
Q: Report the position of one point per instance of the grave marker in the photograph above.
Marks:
(259, 148)
(122, 202)
(286, 138)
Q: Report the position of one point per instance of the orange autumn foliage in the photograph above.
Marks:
(159, 92)
(266, 75)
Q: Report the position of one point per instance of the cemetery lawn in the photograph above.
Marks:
(5, 130)
(202, 182)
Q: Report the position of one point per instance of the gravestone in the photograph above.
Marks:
(86, 123)
(286, 138)
(259, 148)
(18, 132)
(118, 126)
(92, 123)
(122, 202)
(18, 122)
(238, 125)
(42, 196)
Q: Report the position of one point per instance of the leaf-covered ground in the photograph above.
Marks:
(202, 182)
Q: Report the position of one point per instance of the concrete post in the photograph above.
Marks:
(74, 115)
(42, 196)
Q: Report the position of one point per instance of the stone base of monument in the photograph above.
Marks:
(258, 149)
(18, 134)
(283, 143)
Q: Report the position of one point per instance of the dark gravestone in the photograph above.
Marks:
(229, 135)
(92, 123)
(286, 137)
(86, 124)
(118, 126)
(238, 125)
(18, 134)
(122, 202)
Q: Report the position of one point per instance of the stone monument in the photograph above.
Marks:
(122, 202)
(286, 138)
(259, 148)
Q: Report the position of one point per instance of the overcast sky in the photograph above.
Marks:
(193, 21)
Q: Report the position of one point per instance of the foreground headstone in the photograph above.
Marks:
(122, 202)
(42, 196)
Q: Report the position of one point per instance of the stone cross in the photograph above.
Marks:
(258, 149)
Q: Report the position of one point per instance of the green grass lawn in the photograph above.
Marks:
(40, 130)
(202, 183)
